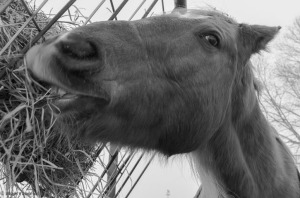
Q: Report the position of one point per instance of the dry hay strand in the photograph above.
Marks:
(36, 157)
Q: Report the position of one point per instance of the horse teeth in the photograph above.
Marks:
(58, 91)
(69, 96)
(61, 92)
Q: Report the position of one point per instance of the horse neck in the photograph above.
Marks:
(239, 159)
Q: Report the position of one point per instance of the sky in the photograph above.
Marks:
(175, 174)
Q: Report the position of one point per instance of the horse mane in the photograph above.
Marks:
(203, 11)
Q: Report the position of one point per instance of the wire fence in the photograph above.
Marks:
(107, 171)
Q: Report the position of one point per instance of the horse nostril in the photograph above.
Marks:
(77, 47)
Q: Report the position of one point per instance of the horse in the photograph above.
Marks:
(177, 83)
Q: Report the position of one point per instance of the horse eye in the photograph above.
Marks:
(211, 39)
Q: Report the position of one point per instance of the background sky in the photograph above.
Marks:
(175, 174)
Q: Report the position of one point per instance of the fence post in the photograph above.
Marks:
(180, 3)
(112, 171)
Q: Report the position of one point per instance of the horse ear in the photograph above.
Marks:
(256, 36)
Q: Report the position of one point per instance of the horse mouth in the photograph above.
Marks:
(63, 101)
(61, 98)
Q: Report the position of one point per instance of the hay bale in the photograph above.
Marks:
(36, 158)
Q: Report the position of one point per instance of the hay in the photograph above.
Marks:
(36, 158)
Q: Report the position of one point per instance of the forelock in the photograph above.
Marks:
(203, 13)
